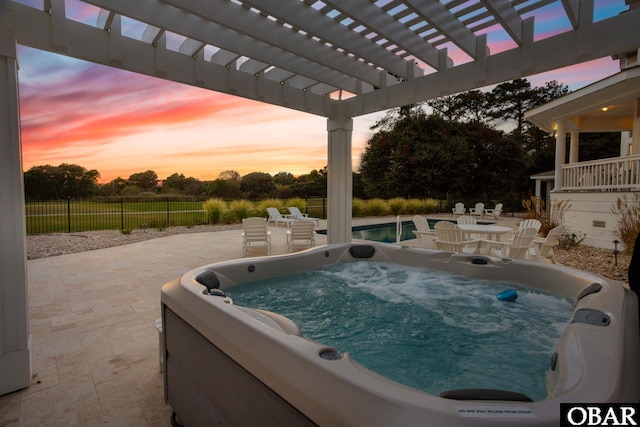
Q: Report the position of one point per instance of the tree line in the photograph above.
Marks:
(66, 180)
(447, 148)
(455, 148)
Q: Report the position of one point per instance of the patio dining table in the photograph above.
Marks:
(492, 232)
(487, 233)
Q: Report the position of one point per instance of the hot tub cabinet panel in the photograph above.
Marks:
(232, 365)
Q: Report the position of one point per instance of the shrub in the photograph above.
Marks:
(358, 207)
(569, 241)
(214, 208)
(377, 207)
(242, 208)
(262, 206)
(415, 206)
(229, 217)
(298, 203)
(431, 205)
(397, 205)
(551, 218)
(126, 231)
(628, 213)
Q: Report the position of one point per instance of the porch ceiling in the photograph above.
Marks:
(330, 58)
(582, 110)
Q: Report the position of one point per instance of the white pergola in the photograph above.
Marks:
(336, 59)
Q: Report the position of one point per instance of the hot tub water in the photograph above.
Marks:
(428, 330)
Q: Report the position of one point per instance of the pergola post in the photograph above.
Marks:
(561, 153)
(339, 180)
(15, 349)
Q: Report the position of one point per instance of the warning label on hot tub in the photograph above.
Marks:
(490, 411)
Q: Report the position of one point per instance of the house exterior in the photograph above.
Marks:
(592, 188)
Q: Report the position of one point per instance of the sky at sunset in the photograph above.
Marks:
(120, 123)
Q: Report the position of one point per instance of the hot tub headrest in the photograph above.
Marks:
(362, 251)
(209, 279)
(591, 289)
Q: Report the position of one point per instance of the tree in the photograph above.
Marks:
(227, 186)
(283, 178)
(428, 156)
(179, 184)
(422, 156)
(257, 185)
(474, 106)
(447, 107)
(510, 100)
(147, 181)
(62, 181)
(312, 184)
(113, 187)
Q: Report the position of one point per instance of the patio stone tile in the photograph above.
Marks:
(69, 403)
(10, 410)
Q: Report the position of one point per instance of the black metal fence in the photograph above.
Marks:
(74, 215)
(71, 215)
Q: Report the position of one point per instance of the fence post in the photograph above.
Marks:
(167, 199)
(121, 213)
(68, 214)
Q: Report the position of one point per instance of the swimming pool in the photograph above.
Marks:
(386, 232)
(227, 363)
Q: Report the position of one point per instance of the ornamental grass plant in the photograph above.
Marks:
(628, 213)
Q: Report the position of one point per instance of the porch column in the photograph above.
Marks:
(339, 180)
(635, 133)
(15, 348)
(561, 153)
(574, 146)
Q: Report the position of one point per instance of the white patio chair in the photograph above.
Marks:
(547, 244)
(518, 247)
(459, 209)
(276, 217)
(449, 237)
(423, 232)
(467, 219)
(495, 212)
(255, 233)
(296, 214)
(301, 231)
(477, 210)
(526, 223)
(530, 222)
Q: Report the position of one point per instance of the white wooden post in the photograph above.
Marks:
(561, 152)
(339, 180)
(15, 348)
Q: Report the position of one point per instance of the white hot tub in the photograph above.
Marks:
(236, 365)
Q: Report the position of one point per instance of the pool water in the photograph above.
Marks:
(428, 330)
(387, 232)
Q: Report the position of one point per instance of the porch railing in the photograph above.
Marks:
(620, 173)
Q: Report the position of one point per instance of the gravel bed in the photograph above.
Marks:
(48, 245)
(595, 260)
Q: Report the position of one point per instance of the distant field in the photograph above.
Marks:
(68, 216)
(84, 215)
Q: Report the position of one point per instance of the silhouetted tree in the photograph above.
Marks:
(147, 181)
(62, 181)
(257, 185)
